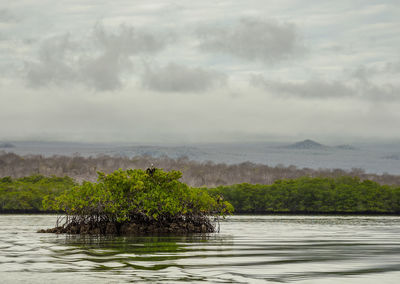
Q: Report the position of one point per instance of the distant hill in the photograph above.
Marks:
(306, 145)
(7, 145)
(309, 144)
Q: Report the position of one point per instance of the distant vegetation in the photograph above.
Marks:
(313, 195)
(195, 174)
(26, 194)
(300, 195)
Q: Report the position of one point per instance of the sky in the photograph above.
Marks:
(199, 71)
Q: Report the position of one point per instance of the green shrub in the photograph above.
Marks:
(136, 194)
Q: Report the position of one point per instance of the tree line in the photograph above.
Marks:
(343, 194)
(313, 195)
(195, 174)
(26, 194)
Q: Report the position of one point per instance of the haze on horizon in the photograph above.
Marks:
(208, 71)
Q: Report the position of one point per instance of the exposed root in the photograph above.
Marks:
(102, 226)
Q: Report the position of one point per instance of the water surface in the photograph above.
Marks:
(249, 249)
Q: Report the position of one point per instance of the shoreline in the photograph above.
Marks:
(30, 212)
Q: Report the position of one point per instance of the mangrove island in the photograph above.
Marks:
(136, 202)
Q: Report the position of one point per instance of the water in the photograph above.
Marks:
(249, 249)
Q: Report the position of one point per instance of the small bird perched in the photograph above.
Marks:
(150, 171)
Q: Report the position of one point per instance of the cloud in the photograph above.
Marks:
(387, 92)
(253, 40)
(322, 89)
(393, 67)
(54, 64)
(98, 62)
(7, 17)
(366, 73)
(141, 68)
(304, 89)
(129, 41)
(103, 72)
(178, 78)
(367, 78)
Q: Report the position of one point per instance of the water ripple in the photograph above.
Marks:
(254, 249)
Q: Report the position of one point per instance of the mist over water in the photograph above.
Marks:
(256, 249)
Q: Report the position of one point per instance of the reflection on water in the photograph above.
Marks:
(256, 249)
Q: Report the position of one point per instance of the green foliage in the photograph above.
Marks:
(122, 194)
(313, 195)
(125, 195)
(27, 193)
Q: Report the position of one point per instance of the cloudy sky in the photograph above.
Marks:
(199, 71)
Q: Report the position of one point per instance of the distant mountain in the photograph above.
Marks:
(309, 144)
(7, 145)
(306, 144)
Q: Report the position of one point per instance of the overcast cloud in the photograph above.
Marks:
(203, 71)
(6, 16)
(251, 39)
(98, 61)
(181, 79)
(316, 89)
(362, 88)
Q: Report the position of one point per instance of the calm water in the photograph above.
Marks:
(249, 249)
